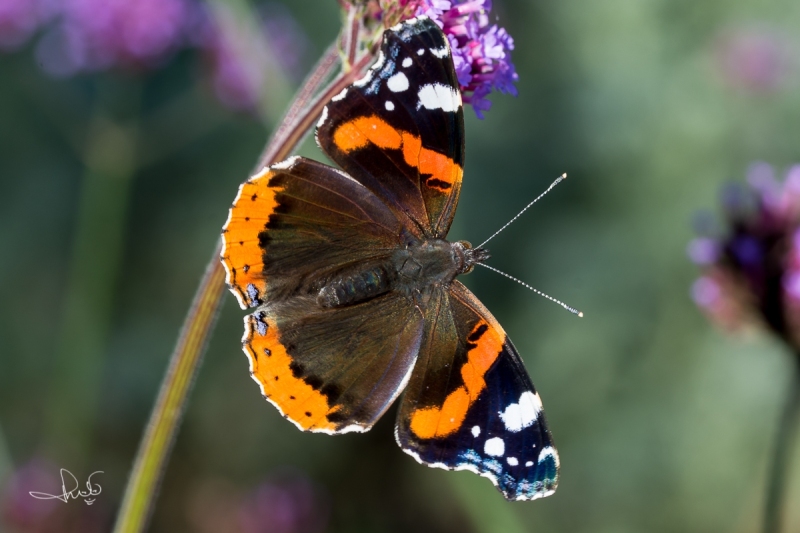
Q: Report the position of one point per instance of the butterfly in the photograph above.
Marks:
(353, 282)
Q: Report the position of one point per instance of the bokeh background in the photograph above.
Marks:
(118, 164)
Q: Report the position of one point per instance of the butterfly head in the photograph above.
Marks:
(469, 256)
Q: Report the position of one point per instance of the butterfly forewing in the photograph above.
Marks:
(399, 130)
(296, 221)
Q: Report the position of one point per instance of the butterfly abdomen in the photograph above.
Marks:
(356, 287)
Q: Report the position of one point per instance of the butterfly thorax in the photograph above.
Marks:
(414, 270)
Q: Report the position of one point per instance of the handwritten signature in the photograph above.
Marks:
(75, 493)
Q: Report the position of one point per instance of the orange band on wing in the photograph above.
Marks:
(486, 344)
(443, 170)
(360, 132)
(241, 253)
(270, 365)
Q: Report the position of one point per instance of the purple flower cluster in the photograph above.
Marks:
(91, 35)
(96, 35)
(752, 272)
(481, 51)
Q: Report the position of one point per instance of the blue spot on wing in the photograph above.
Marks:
(537, 481)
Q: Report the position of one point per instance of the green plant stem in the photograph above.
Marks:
(184, 362)
(784, 446)
(167, 413)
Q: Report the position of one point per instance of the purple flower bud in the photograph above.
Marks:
(761, 177)
(791, 284)
(746, 250)
(706, 292)
(703, 251)
(790, 199)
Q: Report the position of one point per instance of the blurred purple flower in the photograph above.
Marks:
(287, 40)
(753, 271)
(291, 504)
(90, 35)
(481, 51)
(18, 20)
(706, 292)
(95, 35)
(243, 57)
(21, 511)
(753, 59)
(703, 251)
(237, 69)
(285, 503)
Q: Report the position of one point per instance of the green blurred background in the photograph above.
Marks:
(114, 186)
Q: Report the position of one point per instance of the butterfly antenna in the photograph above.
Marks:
(537, 291)
(496, 233)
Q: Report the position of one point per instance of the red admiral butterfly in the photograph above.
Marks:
(354, 284)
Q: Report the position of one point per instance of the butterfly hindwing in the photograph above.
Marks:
(326, 369)
(470, 404)
(400, 129)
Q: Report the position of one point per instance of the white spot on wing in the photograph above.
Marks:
(389, 106)
(548, 451)
(512, 461)
(522, 414)
(440, 52)
(407, 62)
(529, 463)
(495, 447)
(476, 430)
(438, 96)
(323, 117)
(341, 95)
(397, 83)
(420, 51)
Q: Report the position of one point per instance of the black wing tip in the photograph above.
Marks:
(415, 26)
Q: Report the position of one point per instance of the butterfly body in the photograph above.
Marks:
(415, 271)
(352, 283)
